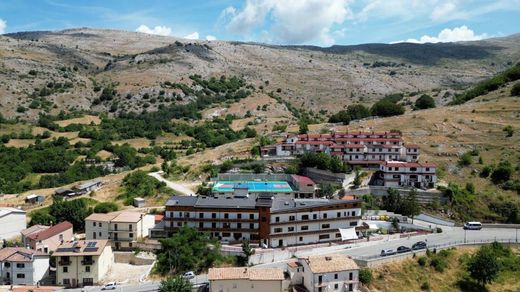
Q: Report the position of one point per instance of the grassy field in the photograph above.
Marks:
(408, 275)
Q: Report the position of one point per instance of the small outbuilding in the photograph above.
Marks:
(139, 202)
(35, 199)
(89, 186)
(65, 192)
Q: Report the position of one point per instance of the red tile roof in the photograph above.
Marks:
(302, 179)
(18, 254)
(50, 232)
(158, 218)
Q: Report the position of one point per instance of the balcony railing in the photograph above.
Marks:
(64, 262)
(87, 262)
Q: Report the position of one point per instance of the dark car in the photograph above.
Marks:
(403, 249)
(419, 245)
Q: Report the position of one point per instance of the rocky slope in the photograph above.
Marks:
(64, 70)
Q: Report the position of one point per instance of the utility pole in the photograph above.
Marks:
(464, 235)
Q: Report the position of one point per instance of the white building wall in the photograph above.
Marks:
(101, 229)
(12, 224)
(41, 268)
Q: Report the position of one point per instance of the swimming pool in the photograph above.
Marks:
(253, 186)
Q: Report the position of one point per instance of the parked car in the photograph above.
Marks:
(387, 252)
(403, 249)
(189, 275)
(419, 245)
(472, 226)
(109, 286)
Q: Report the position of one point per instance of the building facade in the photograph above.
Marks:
(49, 239)
(12, 222)
(82, 263)
(245, 279)
(408, 174)
(22, 266)
(335, 272)
(266, 220)
(123, 229)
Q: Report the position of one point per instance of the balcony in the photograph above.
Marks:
(64, 263)
(89, 262)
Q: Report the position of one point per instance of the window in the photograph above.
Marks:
(239, 216)
(251, 216)
(61, 237)
(129, 226)
(338, 214)
(226, 234)
(324, 215)
(305, 227)
(336, 277)
(115, 226)
(290, 229)
(427, 169)
(65, 269)
(301, 238)
(292, 218)
(201, 225)
(277, 219)
(20, 276)
(88, 281)
(336, 286)
(7, 265)
(179, 224)
(305, 217)
(350, 276)
(66, 281)
(239, 225)
(278, 230)
(324, 236)
(350, 287)
(314, 216)
(87, 269)
(338, 235)
(93, 235)
(100, 224)
(201, 215)
(213, 225)
(353, 223)
(213, 215)
(94, 223)
(325, 226)
(320, 279)
(20, 266)
(226, 216)
(131, 235)
(251, 225)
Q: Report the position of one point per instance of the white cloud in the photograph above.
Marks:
(211, 38)
(444, 10)
(158, 30)
(3, 25)
(291, 21)
(447, 35)
(192, 36)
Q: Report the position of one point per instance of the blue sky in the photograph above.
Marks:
(315, 22)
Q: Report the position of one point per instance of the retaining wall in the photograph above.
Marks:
(131, 258)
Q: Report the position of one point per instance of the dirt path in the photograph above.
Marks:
(172, 185)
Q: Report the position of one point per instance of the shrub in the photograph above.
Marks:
(386, 108)
(438, 263)
(515, 91)
(365, 276)
(424, 101)
(425, 286)
(509, 130)
(486, 171)
(106, 207)
(422, 261)
(502, 173)
(465, 159)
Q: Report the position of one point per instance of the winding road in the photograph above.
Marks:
(174, 186)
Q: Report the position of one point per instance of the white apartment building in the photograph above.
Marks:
(325, 273)
(408, 174)
(13, 221)
(22, 266)
(266, 220)
(124, 229)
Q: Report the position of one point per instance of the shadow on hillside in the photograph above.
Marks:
(427, 54)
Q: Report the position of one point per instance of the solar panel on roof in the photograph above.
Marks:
(90, 249)
(91, 244)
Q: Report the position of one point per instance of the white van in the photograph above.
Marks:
(473, 225)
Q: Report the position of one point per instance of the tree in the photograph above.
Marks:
(365, 276)
(502, 172)
(106, 207)
(187, 250)
(386, 108)
(304, 127)
(392, 202)
(411, 206)
(336, 165)
(395, 224)
(484, 266)
(177, 284)
(424, 101)
(247, 249)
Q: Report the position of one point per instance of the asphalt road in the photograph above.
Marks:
(450, 235)
(141, 287)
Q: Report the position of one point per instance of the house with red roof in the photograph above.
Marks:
(408, 174)
(49, 239)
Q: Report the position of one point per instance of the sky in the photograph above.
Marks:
(286, 22)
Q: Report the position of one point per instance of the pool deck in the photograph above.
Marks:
(253, 186)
